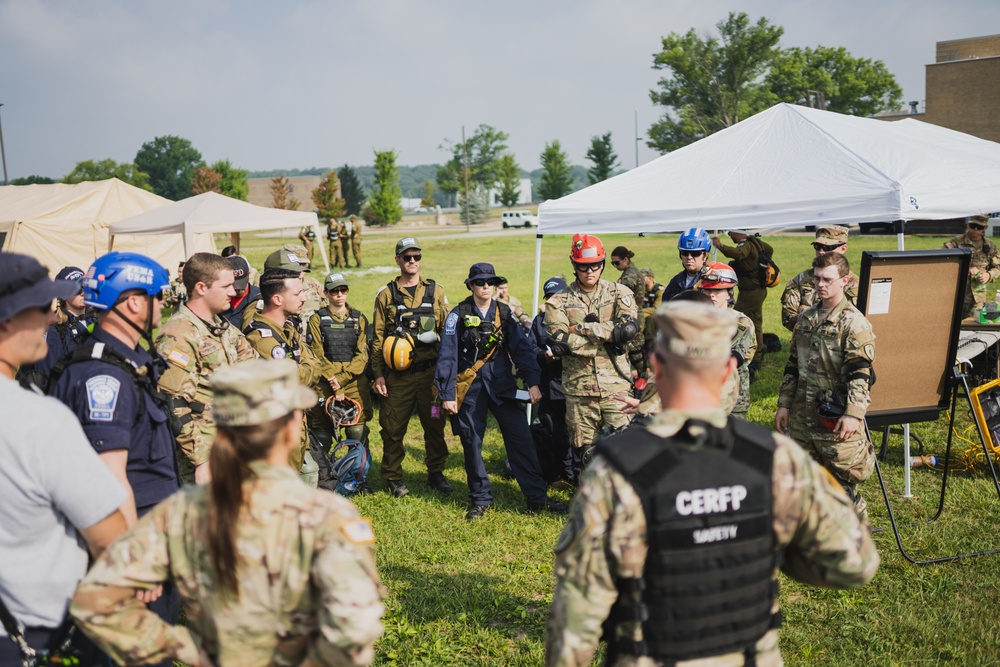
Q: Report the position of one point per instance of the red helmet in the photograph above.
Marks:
(717, 275)
(586, 249)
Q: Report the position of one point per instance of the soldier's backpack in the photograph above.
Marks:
(770, 274)
(351, 469)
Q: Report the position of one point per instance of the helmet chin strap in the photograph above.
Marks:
(147, 332)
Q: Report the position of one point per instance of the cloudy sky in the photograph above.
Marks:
(302, 83)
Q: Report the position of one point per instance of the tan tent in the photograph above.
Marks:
(67, 225)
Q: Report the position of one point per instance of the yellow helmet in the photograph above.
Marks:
(397, 351)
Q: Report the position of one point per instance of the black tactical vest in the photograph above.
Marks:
(293, 351)
(707, 586)
(408, 318)
(486, 336)
(650, 297)
(340, 339)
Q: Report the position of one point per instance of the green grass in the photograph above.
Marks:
(478, 594)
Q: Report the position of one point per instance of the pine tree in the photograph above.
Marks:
(351, 190)
(385, 199)
(557, 177)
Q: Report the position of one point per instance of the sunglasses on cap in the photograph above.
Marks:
(411, 258)
(588, 268)
(691, 253)
(976, 225)
(483, 282)
(828, 248)
(342, 289)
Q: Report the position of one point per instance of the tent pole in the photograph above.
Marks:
(111, 242)
(234, 239)
(538, 273)
(322, 248)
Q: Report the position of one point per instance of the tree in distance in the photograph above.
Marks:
(603, 155)
(557, 177)
(281, 194)
(428, 199)
(205, 179)
(482, 150)
(326, 196)
(170, 162)
(510, 180)
(32, 180)
(384, 202)
(714, 83)
(234, 181)
(102, 170)
(351, 190)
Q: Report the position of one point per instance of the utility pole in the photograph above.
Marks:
(637, 138)
(3, 155)
(465, 159)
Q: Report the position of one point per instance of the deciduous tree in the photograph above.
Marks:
(428, 200)
(557, 177)
(326, 196)
(170, 162)
(101, 170)
(509, 174)
(603, 155)
(205, 179)
(234, 181)
(281, 194)
(32, 180)
(351, 190)
(385, 199)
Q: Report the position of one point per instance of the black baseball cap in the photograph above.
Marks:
(25, 283)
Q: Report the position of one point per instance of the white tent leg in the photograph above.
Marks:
(322, 248)
(538, 273)
(901, 245)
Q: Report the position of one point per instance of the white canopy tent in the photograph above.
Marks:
(212, 212)
(67, 224)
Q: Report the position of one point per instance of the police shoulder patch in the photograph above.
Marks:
(102, 397)
(359, 531)
(451, 324)
(278, 352)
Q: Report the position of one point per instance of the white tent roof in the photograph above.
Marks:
(67, 225)
(211, 212)
(788, 166)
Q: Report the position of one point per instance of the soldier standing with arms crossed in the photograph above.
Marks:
(589, 325)
(417, 307)
(696, 583)
(826, 389)
(271, 572)
(196, 342)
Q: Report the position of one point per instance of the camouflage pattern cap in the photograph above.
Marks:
(283, 259)
(335, 280)
(695, 330)
(832, 235)
(648, 272)
(981, 218)
(258, 391)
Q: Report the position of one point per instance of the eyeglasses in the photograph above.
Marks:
(827, 248)
(691, 253)
(976, 225)
(338, 290)
(588, 268)
(411, 258)
(826, 281)
(482, 282)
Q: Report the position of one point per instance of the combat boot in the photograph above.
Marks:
(397, 488)
(437, 481)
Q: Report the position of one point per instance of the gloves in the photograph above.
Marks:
(625, 330)
(557, 347)
(591, 317)
(428, 337)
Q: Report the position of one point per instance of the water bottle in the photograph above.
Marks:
(928, 461)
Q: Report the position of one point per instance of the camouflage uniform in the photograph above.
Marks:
(736, 393)
(801, 291)
(308, 584)
(356, 240)
(176, 295)
(752, 292)
(517, 309)
(633, 279)
(605, 538)
(194, 350)
(315, 296)
(985, 258)
(590, 379)
(831, 350)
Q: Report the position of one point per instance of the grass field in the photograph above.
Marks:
(478, 594)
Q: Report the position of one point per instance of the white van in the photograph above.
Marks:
(518, 219)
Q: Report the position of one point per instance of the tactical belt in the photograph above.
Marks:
(416, 368)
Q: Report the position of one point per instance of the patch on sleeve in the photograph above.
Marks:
(102, 397)
(178, 358)
(265, 333)
(626, 300)
(278, 352)
(359, 531)
(451, 324)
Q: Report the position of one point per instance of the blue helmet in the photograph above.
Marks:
(695, 238)
(117, 272)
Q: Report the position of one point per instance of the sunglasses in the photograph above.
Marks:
(692, 253)
(588, 268)
(482, 282)
(338, 290)
(616, 262)
(827, 248)
(411, 258)
(976, 225)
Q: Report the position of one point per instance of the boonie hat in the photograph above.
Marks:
(832, 235)
(404, 244)
(241, 272)
(483, 271)
(553, 285)
(334, 280)
(284, 259)
(25, 283)
(258, 391)
(695, 330)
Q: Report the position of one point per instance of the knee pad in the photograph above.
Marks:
(358, 432)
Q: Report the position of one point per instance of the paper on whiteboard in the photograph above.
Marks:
(878, 299)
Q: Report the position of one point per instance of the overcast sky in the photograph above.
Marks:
(296, 84)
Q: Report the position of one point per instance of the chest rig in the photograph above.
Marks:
(340, 339)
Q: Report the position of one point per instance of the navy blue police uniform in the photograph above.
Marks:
(551, 410)
(492, 390)
(680, 283)
(62, 338)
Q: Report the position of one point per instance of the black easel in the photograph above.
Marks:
(959, 381)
